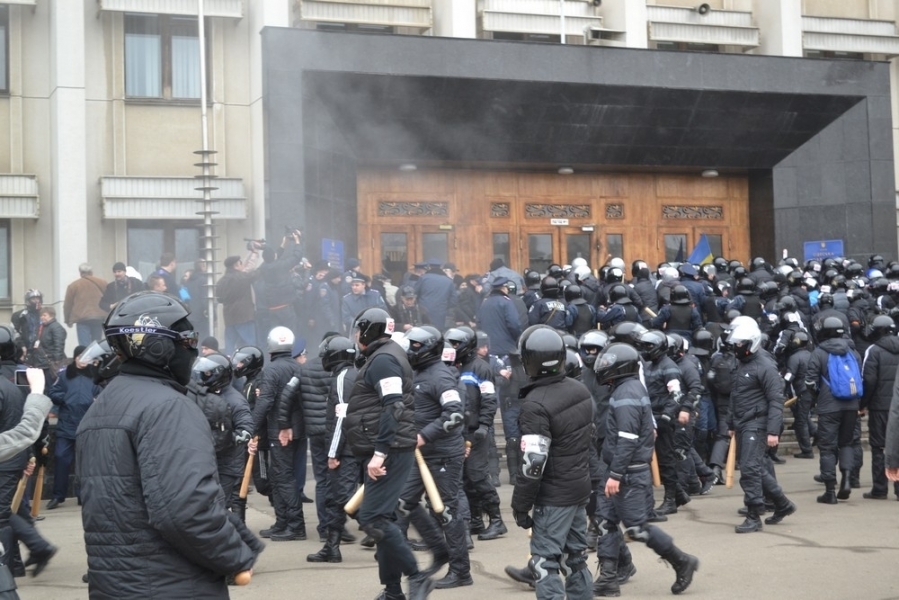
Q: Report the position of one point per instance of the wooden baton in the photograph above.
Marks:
(654, 465)
(20, 491)
(248, 474)
(38, 488)
(731, 463)
(355, 502)
(428, 480)
(790, 402)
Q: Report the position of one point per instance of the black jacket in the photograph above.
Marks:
(879, 372)
(273, 412)
(119, 290)
(647, 292)
(314, 386)
(631, 430)
(437, 399)
(658, 375)
(720, 379)
(154, 515)
(817, 372)
(232, 460)
(756, 399)
(480, 400)
(797, 370)
(73, 393)
(561, 409)
(338, 398)
(600, 394)
(498, 318)
(12, 403)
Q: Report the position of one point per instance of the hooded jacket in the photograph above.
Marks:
(73, 393)
(879, 373)
(817, 374)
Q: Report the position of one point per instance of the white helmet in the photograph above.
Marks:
(582, 272)
(617, 262)
(578, 262)
(280, 339)
(744, 336)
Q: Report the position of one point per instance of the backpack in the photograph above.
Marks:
(218, 412)
(844, 377)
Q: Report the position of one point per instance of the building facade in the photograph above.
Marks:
(312, 115)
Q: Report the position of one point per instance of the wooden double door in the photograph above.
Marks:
(471, 217)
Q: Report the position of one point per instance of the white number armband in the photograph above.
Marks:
(449, 396)
(487, 387)
(390, 386)
(340, 410)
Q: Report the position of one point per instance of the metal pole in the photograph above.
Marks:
(562, 16)
(206, 177)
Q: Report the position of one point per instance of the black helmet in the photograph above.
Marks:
(542, 351)
(732, 314)
(627, 332)
(830, 327)
(720, 263)
(675, 345)
(618, 294)
(681, 295)
(880, 286)
(372, 324)
(146, 326)
(825, 299)
(799, 341)
(875, 261)
(614, 275)
(425, 345)
(733, 265)
(212, 371)
(549, 287)
(573, 364)
(881, 325)
(591, 344)
(767, 290)
(532, 279)
(512, 287)
(32, 294)
(570, 341)
(618, 361)
(787, 304)
(335, 351)
(574, 292)
(839, 282)
(636, 266)
(854, 269)
(758, 263)
(745, 286)
(739, 272)
(7, 343)
(247, 362)
(555, 270)
(464, 340)
(653, 345)
(483, 339)
(563, 285)
(703, 341)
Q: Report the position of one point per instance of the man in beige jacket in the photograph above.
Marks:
(82, 305)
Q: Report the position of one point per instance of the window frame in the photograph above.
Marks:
(165, 22)
(4, 22)
(6, 300)
(168, 228)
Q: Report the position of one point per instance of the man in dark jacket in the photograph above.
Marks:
(49, 349)
(315, 383)
(235, 291)
(380, 429)
(277, 413)
(120, 287)
(498, 318)
(879, 371)
(147, 467)
(836, 417)
(275, 272)
(73, 393)
(556, 433)
(626, 453)
(437, 294)
(359, 299)
(470, 298)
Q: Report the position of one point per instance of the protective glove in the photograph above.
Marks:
(523, 519)
(242, 436)
(480, 434)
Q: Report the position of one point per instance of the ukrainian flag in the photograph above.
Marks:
(702, 253)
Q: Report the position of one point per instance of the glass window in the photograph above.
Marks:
(4, 50)
(162, 57)
(395, 255)
(676, 247)
(147, 242)
(435, 246)
(577, 245)
(501, 247)
(4, 260)
(615, 244)
(715, 244)
(540, 251)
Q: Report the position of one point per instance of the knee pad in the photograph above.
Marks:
(375, 529)
(542, 568)
(405, 508)
(444, 518)
(605, 527)
(639, 533)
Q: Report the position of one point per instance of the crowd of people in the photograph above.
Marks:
(599, 375)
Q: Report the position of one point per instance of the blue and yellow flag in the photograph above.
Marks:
(702, 253)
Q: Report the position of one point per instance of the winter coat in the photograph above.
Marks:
(52, 349)
(756, 399)
(817, 372)
(154, 514)
(82, 301)
(498, 318)
(273, 412)
(437, 294)
(437, 399)
(879, 372)
(73, 393)
(631, 430)
(22, 436)
(315, 383)
(119, 290)
(235, 291)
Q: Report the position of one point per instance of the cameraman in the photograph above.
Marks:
(275, 272)
(235, 291)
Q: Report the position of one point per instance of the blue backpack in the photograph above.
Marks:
(844, 378)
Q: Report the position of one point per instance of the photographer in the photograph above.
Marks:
(235, 291)
(275, 273)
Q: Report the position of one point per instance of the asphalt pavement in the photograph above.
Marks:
(821, 552)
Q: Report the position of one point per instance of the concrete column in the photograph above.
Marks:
(628, 16)
(68, 196)
(780, 23)
(455, 18)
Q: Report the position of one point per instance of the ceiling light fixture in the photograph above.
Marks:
(565, 170)
(710, 173)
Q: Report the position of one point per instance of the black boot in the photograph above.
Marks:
(845, 486)
(681, 497)
(476, 525)
(626, 568)
(684, 566)
(496, 527)
(453, 580)
(524, 575)
(829, 496)
(606, 583)
(752, 523)
(420, 585)
(513, 458)
(782, 509)
(667, 507)
(331, 551)
(592, 534)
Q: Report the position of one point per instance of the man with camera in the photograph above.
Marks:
(279, 288)
(235, 291)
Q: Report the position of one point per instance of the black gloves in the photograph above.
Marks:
(480, 434)
(523, 519)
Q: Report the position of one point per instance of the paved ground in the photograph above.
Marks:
(821, 552)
